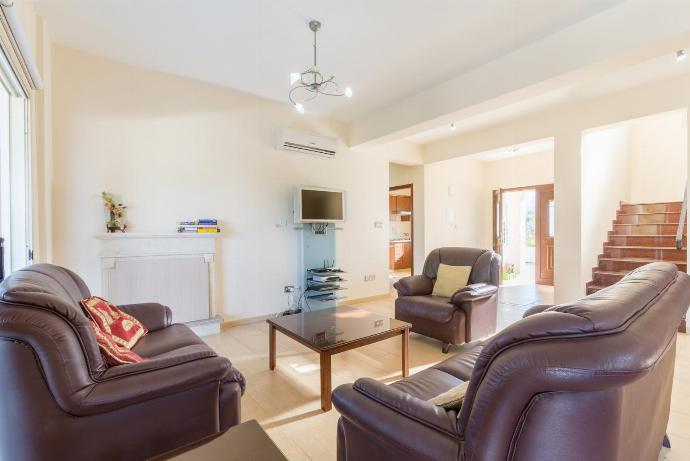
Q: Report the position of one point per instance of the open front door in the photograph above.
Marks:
(545, 230)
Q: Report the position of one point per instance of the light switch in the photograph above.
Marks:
(378, 224)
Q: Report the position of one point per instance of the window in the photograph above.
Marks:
(15, 174)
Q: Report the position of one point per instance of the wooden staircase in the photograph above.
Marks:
(642, 233)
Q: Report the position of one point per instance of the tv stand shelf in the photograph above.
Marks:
(323, 280)
(319, 282)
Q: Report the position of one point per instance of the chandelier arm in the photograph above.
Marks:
(290, 95)
(331, 94)
(292, 100)
(330, 83)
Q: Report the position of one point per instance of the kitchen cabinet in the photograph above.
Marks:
(392, 204)
(399, 203)
(400, 255)
(404, 203)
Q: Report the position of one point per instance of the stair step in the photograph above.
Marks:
(628, 264)
(655, 253)
(606, 278)
(651, 207)
(594, 288)
(644, 240)
(647, 218)
(645, 229)
(642, 233)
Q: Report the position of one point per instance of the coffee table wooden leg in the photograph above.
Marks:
(325, 359)
(405, 353)
(271, 347)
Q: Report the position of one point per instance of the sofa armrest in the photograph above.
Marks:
(122, 389)
(401, 403)
(536, 310)
(168, 359)
(154, 316)
(399, 419)
(473, 292)
(416, 285)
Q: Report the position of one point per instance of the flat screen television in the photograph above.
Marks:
(319, 205)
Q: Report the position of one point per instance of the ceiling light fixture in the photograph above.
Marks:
(681, 55)
(452, 127)
(309, 84)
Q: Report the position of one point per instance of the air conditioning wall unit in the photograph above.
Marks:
(307, 143)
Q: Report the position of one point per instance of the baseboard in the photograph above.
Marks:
(206, 327)
(246, 321)
(367, 299)
(262, 318)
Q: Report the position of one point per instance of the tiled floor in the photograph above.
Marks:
(287, 404)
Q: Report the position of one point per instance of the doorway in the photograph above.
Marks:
(401, 240)
(524, 234)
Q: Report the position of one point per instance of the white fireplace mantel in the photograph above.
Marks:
(174, 269)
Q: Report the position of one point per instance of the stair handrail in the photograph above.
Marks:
(681, 220)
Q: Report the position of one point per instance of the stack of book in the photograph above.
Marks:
(199, 226)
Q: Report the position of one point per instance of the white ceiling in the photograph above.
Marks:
(528, 148)
(658, 68)
(386, 50)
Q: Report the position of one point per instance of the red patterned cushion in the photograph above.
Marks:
(112, 353)
(124, 329)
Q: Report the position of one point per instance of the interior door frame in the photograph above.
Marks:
(411, 187)
(497, 229)
(541, 223)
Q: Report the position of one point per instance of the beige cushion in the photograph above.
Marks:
(450, 279)
(451, 399)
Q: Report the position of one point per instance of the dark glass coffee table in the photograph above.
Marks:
(335, 330)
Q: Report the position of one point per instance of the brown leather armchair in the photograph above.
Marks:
(585, 380)
(59, 400)
(469, 314)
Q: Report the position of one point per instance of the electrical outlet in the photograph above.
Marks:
(289, 289)
(378, 224)
(369, 277)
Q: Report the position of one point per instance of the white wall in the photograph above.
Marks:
(520, 171)
(605, 183)
(399, 175)
(170, 148)
(459, 195)
(457, 204)
(658, 158)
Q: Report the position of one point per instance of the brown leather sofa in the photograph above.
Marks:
(468, 315)
(59, 400)
(587, 380)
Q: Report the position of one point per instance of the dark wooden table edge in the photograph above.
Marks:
(339, 347)
(325, 353)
